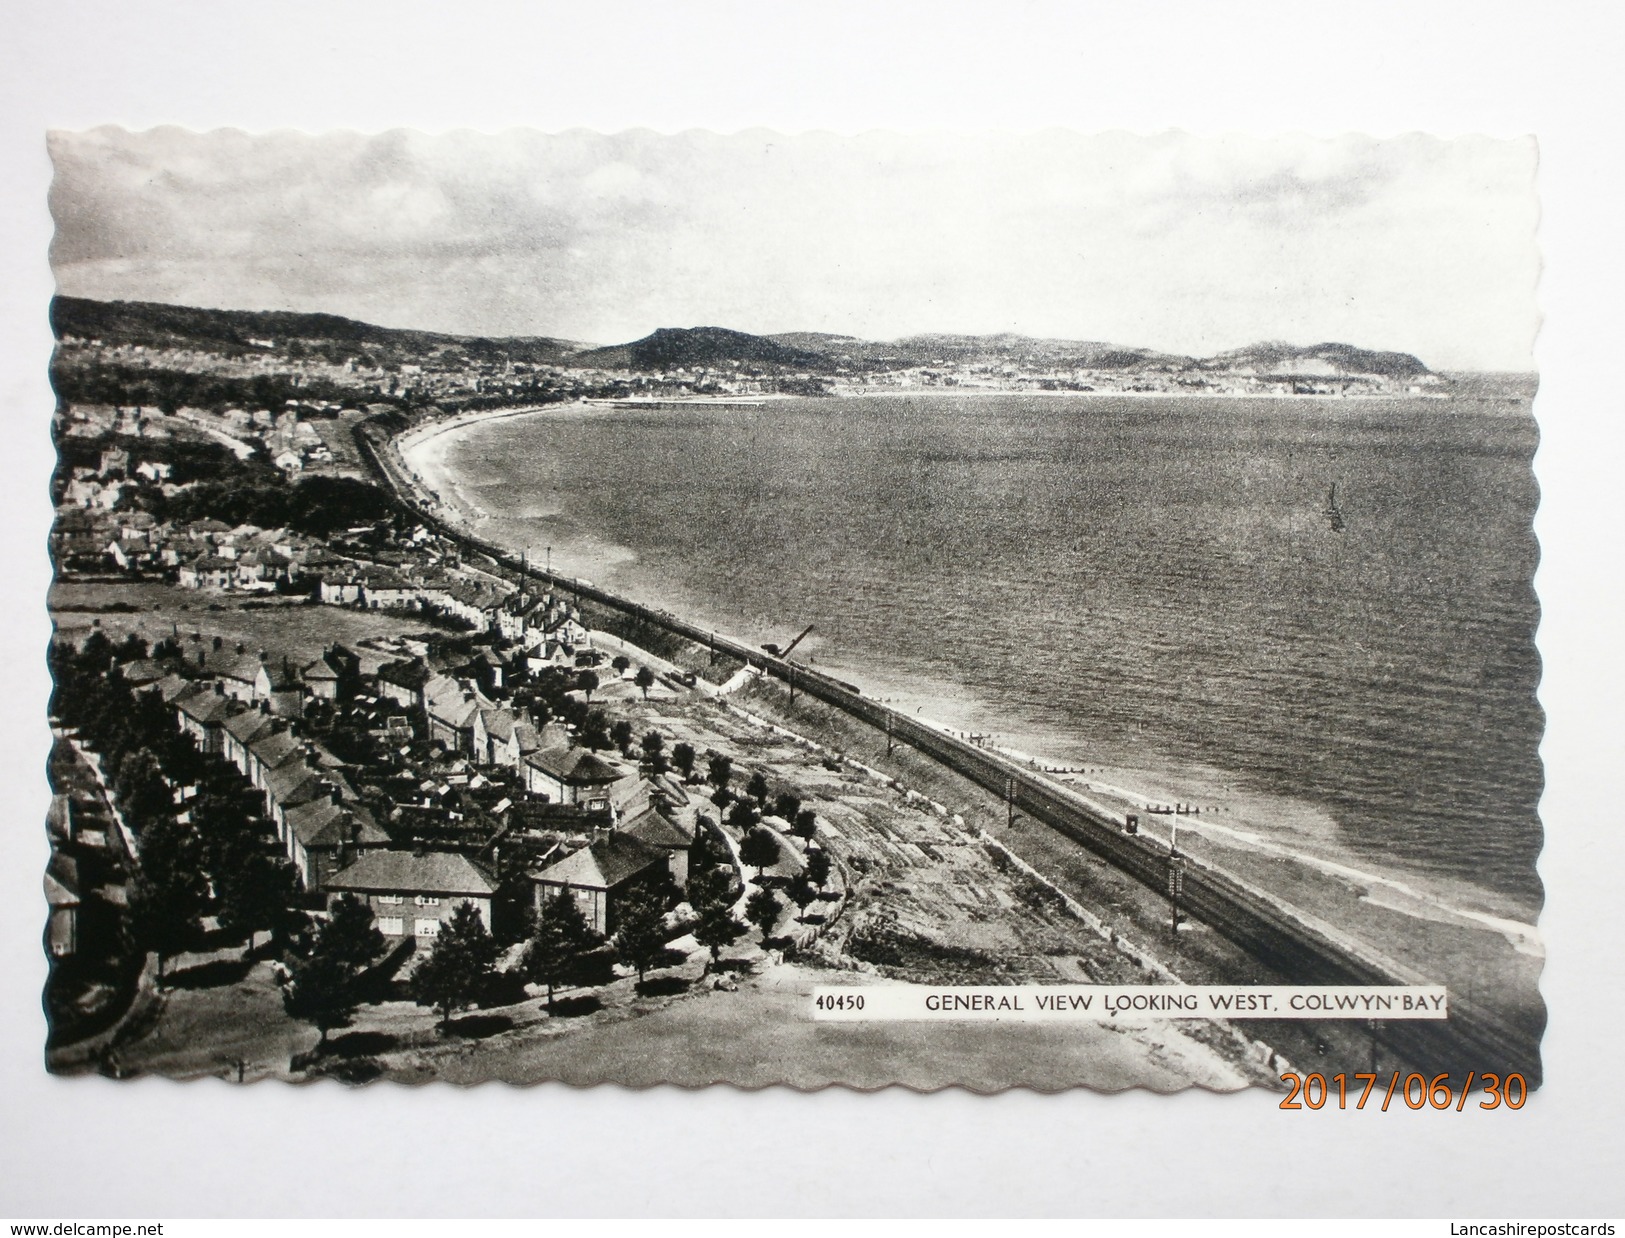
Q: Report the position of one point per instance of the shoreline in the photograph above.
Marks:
(1143, 786)
(1253, 848)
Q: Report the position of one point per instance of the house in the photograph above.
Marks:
(256, 569)
(63, 898)
(387, 591)
(598, 876)
(487, 668)
(269, 752)
(323, 836)
(567, 630)
(142, 672)
(170, 688)
(321, 680)
(153, 470)
(239, 732)
(341, 588)
(413, 894)
(404, 682)
(571, 776)
(207, 530)
(128, 551)
(236, 670)
(208, 572)
(202, 715)
(288, 460)
(278, 686)
(452, 711)
(477, 602)
(657, 830)
(496, 738)
(288, 787)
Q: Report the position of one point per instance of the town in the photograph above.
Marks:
(241, 365)
(336, 794)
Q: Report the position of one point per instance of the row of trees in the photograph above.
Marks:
(211, 853)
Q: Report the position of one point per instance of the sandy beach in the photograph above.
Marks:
(1449, 930)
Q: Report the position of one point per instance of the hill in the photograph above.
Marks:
(155, 325)
(1275, 357)
(329, 336)
(998, 351)
(672, 348)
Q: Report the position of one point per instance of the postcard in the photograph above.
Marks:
(974, 610)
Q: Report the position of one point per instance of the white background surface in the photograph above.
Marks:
(151, 1149)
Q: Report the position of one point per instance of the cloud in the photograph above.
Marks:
(1173, 241)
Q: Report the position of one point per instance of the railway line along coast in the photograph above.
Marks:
(1292, 943)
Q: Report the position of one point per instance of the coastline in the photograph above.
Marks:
(1251, 837)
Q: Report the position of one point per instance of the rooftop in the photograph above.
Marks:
(433, 872)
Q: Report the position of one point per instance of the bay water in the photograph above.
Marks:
(1139, 582)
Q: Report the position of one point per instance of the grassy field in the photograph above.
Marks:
(295, 629)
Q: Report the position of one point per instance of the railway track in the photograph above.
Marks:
(1290, 942)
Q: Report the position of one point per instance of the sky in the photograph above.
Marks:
(1182, 243)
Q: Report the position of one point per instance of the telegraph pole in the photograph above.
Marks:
(1176, 877)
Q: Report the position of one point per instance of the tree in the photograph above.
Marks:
(654, 752)
(322, 992)
(621, 663)
(708, 851)
(621, 733)
(562, 937)
(719, 768)
(682, 757)
(131, 649)
(640, 934)
(760, 850)
(786, 806)
(350, 935)
(743, 815)
(458, 971)
(803, 895)
(805, 826)
(756, 788)
(711, 894)
(260, 892)
(762, 910)
(169, 892)
(595, 730)
(322, 989)
(143, 792)
(645, 679)
(818, 867)
(587, 681)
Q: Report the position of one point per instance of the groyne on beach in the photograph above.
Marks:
(1291, 942)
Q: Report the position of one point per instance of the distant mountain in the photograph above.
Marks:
(1275, 357)
(156, 325)
(999, 351)
(672, 348)
(815, 341)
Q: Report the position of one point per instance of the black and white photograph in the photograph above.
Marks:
(958, 609)
(840, 618)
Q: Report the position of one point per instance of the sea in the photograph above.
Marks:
(1136, 582)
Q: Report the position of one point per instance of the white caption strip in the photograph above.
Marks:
(1035, 1003)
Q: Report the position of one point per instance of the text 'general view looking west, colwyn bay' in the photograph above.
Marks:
(343, 786)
